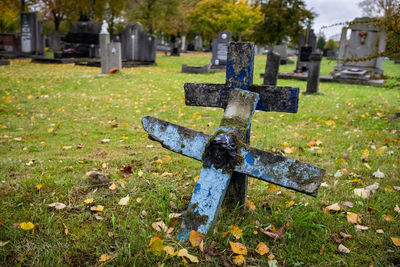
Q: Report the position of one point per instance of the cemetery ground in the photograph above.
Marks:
(58, 122)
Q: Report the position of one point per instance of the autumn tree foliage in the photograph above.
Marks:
(9, 15)
(212, 16)
(282, 19)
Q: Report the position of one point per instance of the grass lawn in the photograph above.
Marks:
(48, 111)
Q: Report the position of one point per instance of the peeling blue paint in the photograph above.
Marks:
(197, 188)
(249, 159)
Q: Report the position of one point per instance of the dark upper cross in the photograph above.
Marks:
(226, 155)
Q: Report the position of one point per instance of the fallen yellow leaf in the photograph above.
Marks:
(329, 122)
(289, 203)
(238, 248)
(26, 226)
(238, 260)
(262, 248)
(98, 208)
(195, 238)
(388, 217)
(124, 201)
(250, 205)
(156, 246)
(88, 201)
(39, 186)
(334, 207)
(113, 186)
(289, 150)
(236, 231)
(353, 218)
(396, 241)
(105, 257)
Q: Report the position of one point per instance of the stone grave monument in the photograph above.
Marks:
(138, 47)
(220, 50)
(4, 62)
(282, 51)
(110, 53)
(176, 44)
(307, 45)
(54, 41)
(366, 40)
(32, 38)
(198, 43)
(271, 69)
(227, 155)
(313, 73)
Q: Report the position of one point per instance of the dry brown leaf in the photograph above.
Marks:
(345, 236)
(271, 232)
(2, 244)
(238, 248)
(343, 249)
(169, 250)
(361, 227)
(113, 186)
(195, 238)
(262, 248)
(172, 225)
(98, 208)
(65, 229)
(236, 231)
(333, 207)
(160, 226)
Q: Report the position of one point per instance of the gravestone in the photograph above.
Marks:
(110, 53)
(176, 43)
(366, 40)
(307, 45)
(198, 43)
(54, 41)
(227, 157)
(271, 68)
(138, 46)
(397, 61)
(196, 69)
(282, 51)
(220, 50)
(10, 43)
(32, 38)
(313, 73)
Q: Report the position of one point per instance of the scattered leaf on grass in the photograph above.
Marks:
(39, 186)
(345, 236)
(272, 263)
(2, 244)
(98, 208)
(288, 204)
(361, 227)
(159, 226)
(238, 248)
(348, 204)
(262, 248)
(353, 218)
(174, 215)
(250, 205)
(124, 201)
(169, 250)
(88, 201)
(156, 246)
(195, 238)
(26, 226)
(113, 186)
(396, 241)
(333, 207)
(397, 209)
(105, 257)
(378, 174)
(343, 249)
(57, 205)
(289, 150)
(238, 260)
(184, 253)
(236, 231)
(380, 231)
(65, 229)
(388, 217)
(271, 232)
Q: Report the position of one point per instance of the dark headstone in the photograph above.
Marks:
(138, 45)
(307, 45)
(271, 68)
(198, 43)
(313, 73)
(54, 41)
(220, 49)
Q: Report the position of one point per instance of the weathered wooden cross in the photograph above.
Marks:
(226, 155)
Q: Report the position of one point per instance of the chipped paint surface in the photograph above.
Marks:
(240, 66)
(277, 98)
(208, 195)
(176, 138)
(289, 173)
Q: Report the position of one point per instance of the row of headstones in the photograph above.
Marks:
(110, 52)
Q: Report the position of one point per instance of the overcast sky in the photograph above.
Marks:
(331, 12)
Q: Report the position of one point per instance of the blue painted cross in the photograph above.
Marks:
(226, 155)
